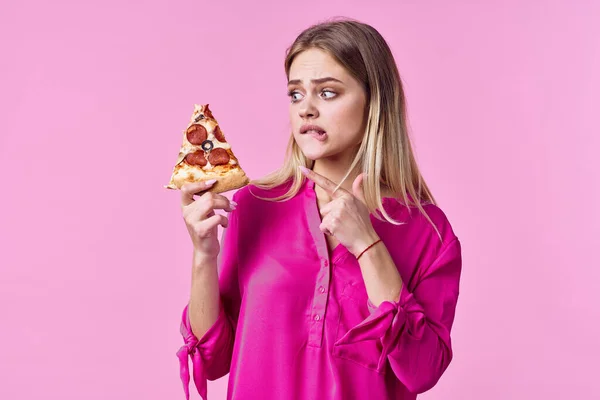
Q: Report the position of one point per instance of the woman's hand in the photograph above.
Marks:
(200, 218)
(346, 216)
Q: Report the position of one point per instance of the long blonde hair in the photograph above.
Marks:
(385, 152)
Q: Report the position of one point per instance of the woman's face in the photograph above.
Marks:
(328, 105)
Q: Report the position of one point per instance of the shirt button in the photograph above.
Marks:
(321, 289)
(326, 263)
(317, 317)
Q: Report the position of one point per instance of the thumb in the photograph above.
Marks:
(357, 187)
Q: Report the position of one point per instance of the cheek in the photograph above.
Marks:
(295, 123)
(292, 125)
(350, 118)
(294, 117)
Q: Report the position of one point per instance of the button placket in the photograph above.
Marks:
(320, 300)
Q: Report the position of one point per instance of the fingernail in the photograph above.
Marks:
(303, 169)
(210, 182)
(233, 203)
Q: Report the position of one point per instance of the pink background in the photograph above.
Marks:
(95, 258)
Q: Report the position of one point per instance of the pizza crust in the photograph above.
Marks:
(227, 179)
(234, 179)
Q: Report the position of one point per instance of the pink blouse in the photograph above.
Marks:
(295, 321)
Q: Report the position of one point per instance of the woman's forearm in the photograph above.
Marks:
(203, 308)
(382, 279)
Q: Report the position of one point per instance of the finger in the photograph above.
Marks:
(328, 225)
(326, 230)
(323, 182)
(358, 189)
(206, 204)
(329, 207)
(323, 228)
(209, 202)
(217, 219)
(190, 189)
(326, 209)
(206, 228)
(193, 215)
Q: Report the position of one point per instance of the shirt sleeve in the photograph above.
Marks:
(415, 331)
(211, 354)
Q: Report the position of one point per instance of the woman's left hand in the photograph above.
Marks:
(346, 216)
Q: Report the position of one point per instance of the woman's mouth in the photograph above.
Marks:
(319, 135)
(315, 131)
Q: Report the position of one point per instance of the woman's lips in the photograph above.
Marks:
(315, 131)
(321, 136)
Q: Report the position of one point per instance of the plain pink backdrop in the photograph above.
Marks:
(95, 259)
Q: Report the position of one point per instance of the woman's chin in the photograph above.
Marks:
(314, 154)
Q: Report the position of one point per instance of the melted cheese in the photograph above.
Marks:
(217, 144)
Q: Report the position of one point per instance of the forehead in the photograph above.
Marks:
(315, 64)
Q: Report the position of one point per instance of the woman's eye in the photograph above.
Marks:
(328, 94)
(295, 96)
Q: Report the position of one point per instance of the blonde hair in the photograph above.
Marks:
(385, 152)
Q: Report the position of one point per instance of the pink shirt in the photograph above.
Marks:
(295, 321)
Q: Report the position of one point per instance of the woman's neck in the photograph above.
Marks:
(334, 170)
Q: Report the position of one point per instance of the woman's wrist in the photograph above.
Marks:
(202, 260)
(365, 244)
(368, 248)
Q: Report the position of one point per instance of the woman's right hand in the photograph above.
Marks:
(200, 218)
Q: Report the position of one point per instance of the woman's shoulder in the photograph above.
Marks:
(421, 237)
(431, 222)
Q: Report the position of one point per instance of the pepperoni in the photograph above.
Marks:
(196, 134)
(218, 156)
(219, 135)
(207, 112)
(196, 158)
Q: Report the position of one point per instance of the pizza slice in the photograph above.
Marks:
(205, 154)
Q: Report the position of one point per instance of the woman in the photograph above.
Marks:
(338, 276)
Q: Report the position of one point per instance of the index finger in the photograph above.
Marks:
(190, 189)
(323, 182)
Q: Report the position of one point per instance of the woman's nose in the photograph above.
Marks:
(308, 109)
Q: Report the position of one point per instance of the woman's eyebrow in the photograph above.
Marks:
(315, 81)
